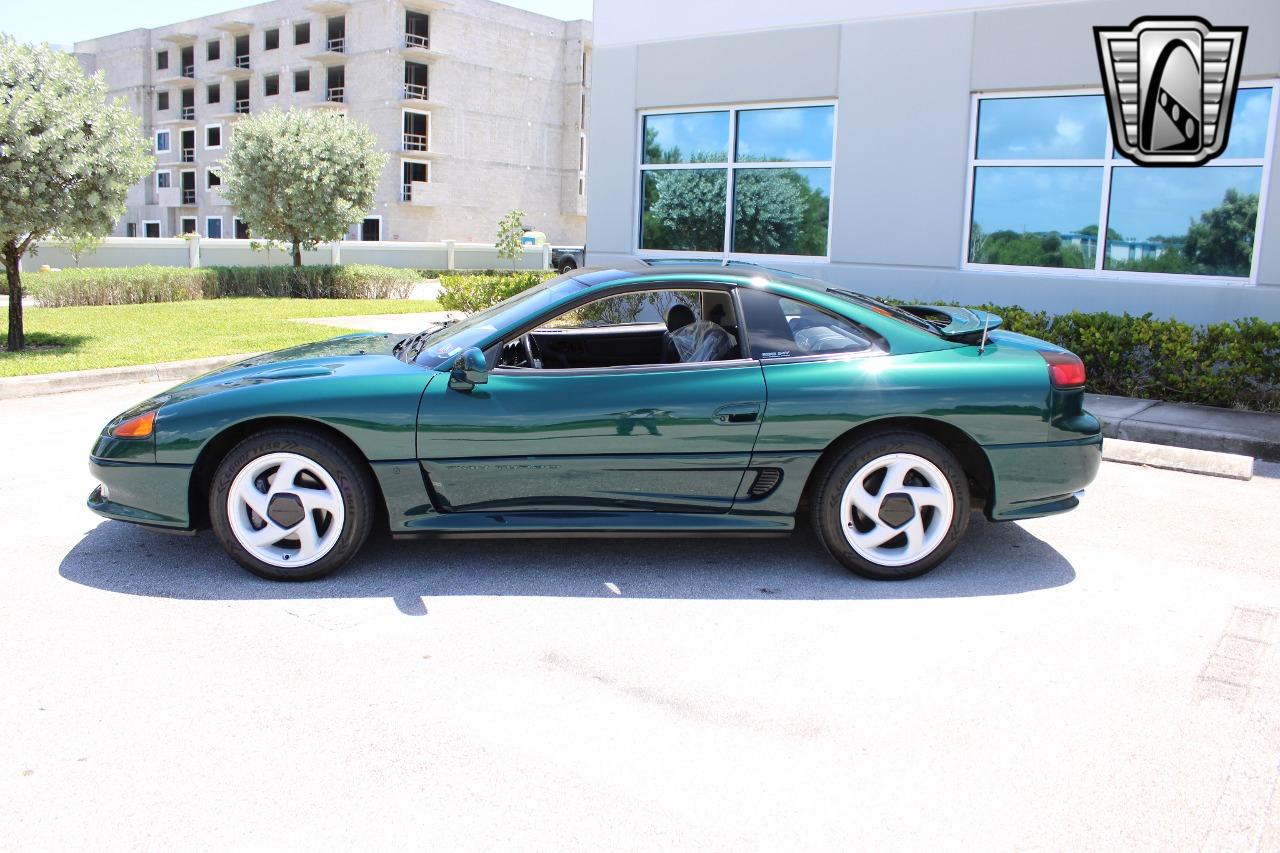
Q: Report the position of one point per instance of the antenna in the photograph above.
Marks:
(986, 321)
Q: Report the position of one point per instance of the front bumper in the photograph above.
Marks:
(1032, 480)
(142, 493)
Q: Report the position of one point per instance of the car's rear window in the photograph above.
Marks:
(778, 327)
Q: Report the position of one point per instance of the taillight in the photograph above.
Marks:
(136, 427)
(1066, 370)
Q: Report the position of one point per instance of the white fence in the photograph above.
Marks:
(196, 252)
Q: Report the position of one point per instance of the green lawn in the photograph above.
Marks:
(112, 336)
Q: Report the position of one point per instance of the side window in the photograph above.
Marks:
(778, 327)
(627, 309)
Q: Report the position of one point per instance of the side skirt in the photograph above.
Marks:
(592, 524)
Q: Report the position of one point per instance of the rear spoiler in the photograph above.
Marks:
(956, 323)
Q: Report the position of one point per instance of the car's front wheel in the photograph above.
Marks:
(568, 265)
(892, 506)
(290, 504)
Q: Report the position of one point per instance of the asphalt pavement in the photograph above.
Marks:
(1106, 679)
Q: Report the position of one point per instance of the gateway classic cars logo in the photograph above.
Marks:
(1171, 83)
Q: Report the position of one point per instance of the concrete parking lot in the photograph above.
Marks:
(1105, 679)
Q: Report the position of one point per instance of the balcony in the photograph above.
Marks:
(330, 51)
(241, 107)
(187, 114)
(188, 155)
(189, 72)
(336, 95)
(188, 197)
(236, 68)
(414, 142)
(418, 47)
(241, 61)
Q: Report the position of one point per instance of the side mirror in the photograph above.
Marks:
(469, 370)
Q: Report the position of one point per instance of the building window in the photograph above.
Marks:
(162, 60)
(213, 227)
(131, 229)
(162, 101)
(302, 32)
(164, 180)
(213, 93)
(151, 228)
(271, 38)
(1047, 190)
(213, 136)
(746, 180)
(188, 225)
(302, 80)
(162, 141)
(271, 85)
(212, 180)
(213, 50)
(242, 230)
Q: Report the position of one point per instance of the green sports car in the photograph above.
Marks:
(682, 399)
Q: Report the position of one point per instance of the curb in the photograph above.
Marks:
(16, 387)
(1230, 465)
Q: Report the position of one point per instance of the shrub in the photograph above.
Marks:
(134, 285)
(123, 286)
(349, 281)
(477, 291)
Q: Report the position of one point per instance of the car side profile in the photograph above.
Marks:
(670, 399)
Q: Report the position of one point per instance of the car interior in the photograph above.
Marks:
(648, 327)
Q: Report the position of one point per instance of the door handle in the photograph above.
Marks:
(737, 413)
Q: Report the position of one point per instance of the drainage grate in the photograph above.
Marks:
(767, 479)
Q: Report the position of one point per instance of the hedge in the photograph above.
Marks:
(135, 285)
(475, 291)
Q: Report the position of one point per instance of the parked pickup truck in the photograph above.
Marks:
(565, 258)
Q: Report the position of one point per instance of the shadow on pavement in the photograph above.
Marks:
(994, 559)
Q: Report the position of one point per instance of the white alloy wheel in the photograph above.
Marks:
(285, 509)
(897, 509)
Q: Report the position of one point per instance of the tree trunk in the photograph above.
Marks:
(17, 338)
(297, 253)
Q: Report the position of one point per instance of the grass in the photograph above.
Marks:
(118, 335)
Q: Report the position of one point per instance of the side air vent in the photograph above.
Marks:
(767, 479)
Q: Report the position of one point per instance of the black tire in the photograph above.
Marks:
(354, 484)
(567, 265)
(832, 480)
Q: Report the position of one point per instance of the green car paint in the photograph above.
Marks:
(657, 448)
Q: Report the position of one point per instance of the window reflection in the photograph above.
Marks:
(781, 211)
(1186, 221)
(1071, 126)
(1038, 216)
(683, 209)
(686, 138)
(1249, 120)
(794, 134)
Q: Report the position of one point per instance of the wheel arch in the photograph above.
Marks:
(972, 458)
(216, 449)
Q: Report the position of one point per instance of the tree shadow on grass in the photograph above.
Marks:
(43, 343)
(994, 559)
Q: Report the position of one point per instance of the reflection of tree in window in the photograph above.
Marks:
(645, 307)
(779, 212)
(1028, 249)
(684, 209)
(1220, 243)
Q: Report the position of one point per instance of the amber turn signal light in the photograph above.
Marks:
(136, 427)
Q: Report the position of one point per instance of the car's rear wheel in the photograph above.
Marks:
(290, 504)
(568, 265)
(892, 506)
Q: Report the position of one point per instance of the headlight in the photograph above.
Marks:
(139, 426)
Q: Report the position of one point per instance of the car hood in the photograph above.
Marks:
(350, 355)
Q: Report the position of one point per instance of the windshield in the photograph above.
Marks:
(439, 345)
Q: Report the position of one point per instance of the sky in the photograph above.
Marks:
(64, 22)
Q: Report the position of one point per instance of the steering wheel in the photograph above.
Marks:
(532, 353)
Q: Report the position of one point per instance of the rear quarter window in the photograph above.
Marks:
(778, 327)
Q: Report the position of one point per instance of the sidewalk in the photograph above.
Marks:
(1255, 434)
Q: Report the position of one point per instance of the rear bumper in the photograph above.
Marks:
(1032, 480)
(142, 493)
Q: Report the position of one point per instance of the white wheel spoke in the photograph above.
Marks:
(915, 534)
(282, 480)
(925, 496)
(867, 503)
(895, 476)
(876, 536)
(255, 500)
(308, 537)
(323, 499)
(269, 535)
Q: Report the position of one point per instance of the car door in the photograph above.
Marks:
(653, 437)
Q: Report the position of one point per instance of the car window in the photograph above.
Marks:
(625, 309)
(778, 327)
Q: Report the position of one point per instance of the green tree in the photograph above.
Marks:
(301, 177)
(510, 232)
(67, 159)
(1221, 243)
